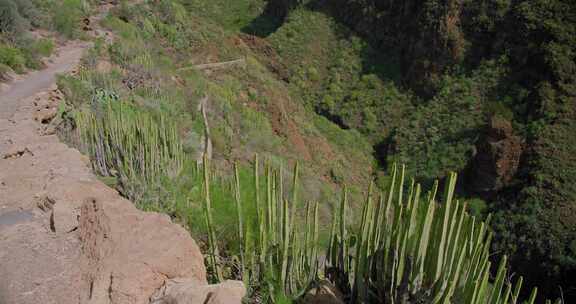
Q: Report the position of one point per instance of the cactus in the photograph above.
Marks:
(282, 254)
(414, 249)
(135, 146)
(408, 248)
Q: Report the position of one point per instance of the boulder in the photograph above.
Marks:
(324, 293)
(190, 291)
(128, 254)
(45, 115)
(64, 217)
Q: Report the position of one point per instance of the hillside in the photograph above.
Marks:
(303, 143)
(488, 91)
(318, 88)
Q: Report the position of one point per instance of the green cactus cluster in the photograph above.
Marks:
(136, 147)
(274, 248)
(408, 247)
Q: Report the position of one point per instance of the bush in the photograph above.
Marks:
(29, 11)
(10, 20)
(13, 58)
(33, 50)
(43, 47)
(477, 207)
(75, 90)
(68, 16)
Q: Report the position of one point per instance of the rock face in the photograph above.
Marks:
(128, 254)
(497, 157)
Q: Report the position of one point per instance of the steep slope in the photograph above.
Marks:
(465, 63)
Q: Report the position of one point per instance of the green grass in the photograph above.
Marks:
(232, 15)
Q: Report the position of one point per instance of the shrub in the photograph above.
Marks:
(33, 50)
(28, 10)
(12, 57)
(68, 16)
(10, 20)
(43, 46)
(76, 91)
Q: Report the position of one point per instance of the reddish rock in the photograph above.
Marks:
(129, 254)
(497, 157)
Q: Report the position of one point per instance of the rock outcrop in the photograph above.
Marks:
(190, 291)
(497, 157)
(128, 254)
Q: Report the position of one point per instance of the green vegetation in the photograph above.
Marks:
(455, 64)
(425, 250)
(412, 249)
(12, 57)
(18, 57)
(322, 88)
(68, 15)
(406, 248)
(25, 54)
(19, 49)
(133, 146)
(10, 19)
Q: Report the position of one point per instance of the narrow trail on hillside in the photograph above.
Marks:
(65, 237)
(36, 82)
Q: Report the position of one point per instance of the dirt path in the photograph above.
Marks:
(67, 58)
